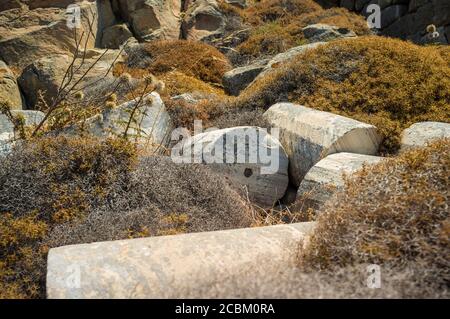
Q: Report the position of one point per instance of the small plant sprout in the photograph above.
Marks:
(79, 95)
(148, 100)
(160, 86)
(112, 98)
(111, 105)
(125, 78)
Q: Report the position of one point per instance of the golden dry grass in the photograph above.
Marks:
(183, 66)
(386, 82)
(53, 181)
(57, 191)
(178, 83)
(195, 59)
(270, 39)
(394, 214)
(277, 25)
(271, 10)
(339, 17)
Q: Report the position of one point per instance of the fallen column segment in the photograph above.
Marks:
(308, 135)
(166, 266)
(325, 178)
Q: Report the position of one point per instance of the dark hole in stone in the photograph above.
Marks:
(248, 172)
(343, 30)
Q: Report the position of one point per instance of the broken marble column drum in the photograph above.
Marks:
(249, 156)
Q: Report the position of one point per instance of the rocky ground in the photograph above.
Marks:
(95, 96)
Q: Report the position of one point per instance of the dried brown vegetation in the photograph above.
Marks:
(194, 59)
(178, 83)
(61, 190)
(159, 198)
(284, 10)
(394, 214)
(213, 111)
(43, 183)
(270, 39)
(276, 26)
(293, 283)
(386, 82)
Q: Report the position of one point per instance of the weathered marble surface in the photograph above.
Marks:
(419, 134)
(327, 176)
(31, 118)
(6, 143)
(163, 267)
(236, 80)
(249, 156)
(7, 134)
(309, 135)
(286, 57)
(323, 32)
(151, 124)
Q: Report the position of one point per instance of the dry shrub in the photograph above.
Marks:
(159, 198)
(277, 25)
(293, 283)
(61, 177)
(239, 117)
(270, 39)
(284, 10)
(19, 255)
(213, 111)
(195, 59)
(339, 17)
(64, 190)
(45, 182)
(444, 51)
(394, 214)
(386, 82)
(183, 113)
(179, 83)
